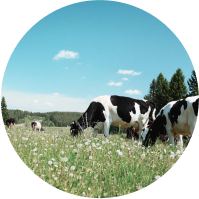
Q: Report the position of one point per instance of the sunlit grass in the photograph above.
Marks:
(91, 167)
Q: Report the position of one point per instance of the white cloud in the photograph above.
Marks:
(128, 72)
(83, 77)
(131, 92)
(35, 101)
(66, 55)
(25, 101)
(66, 67)
(111, 83)
(55, 93)
(79, 63)
(48, 104)
(125, 79)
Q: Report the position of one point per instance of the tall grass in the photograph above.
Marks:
(91, 167)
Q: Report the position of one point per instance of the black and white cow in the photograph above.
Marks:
(36, 126)
(115, 110)
(131, 133)
(10, 122)
(178, 118)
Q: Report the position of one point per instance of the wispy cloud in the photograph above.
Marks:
(55, 93)
(66, 67)
(131, 92)
(79, 63)
(128, 72)
(83, 77)
(125, 79)
(44, 102)
(48, 104)
(66, 55)
(111, 83)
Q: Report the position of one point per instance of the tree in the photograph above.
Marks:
(193, 84)
(4, 110)
(151, 95)
(161, 92)
(178, 89)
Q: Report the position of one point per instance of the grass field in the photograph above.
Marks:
(88, 166)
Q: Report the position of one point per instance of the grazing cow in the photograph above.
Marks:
(36, 126)
(10, 123)
(131, 133)
(115, 110)
(178, 118)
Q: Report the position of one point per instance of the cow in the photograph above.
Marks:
(36, 126)
(115, 110)
(10, 123)
(178, 118)
(131, 133)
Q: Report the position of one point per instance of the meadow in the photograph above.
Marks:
(91, 167)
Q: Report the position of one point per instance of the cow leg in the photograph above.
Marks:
(171, 136)
(179, 141)
(106, 128)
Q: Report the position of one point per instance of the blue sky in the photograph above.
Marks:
(90, 49)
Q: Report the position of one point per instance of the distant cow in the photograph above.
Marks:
(114, 110)
(36, 126)
(10, 122)
(178, 118)
(131, 133)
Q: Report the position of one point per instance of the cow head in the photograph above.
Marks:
(75, 128)
(152, 132)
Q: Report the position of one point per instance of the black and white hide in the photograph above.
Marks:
(36, 126)
(10, 123)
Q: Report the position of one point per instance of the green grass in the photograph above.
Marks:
(108, 172)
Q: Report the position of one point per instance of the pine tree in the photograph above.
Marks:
(4, 110)
(193, 84)
(178, 89)
(161, 92)
(151, 95)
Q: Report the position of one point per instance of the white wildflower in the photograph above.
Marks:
(90, 157)
(34, 160)
(72, 168)
(143, 156)
(52, 159)
(122, 147)
(109, 152)
(71, 174)
(50, 162)
(89, 189)
(172, 153)
(86, 143)
(165, 150)
(66, 169)
(177, 152)
(65, 159)
(62, 152)
(74, 150)
(172, 156)
(153, 166)
(157, 177)
(83, 193)
(161, 156)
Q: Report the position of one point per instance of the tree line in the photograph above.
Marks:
(161, 91)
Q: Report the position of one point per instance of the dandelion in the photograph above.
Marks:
(83, 193)
(171, 156)
(93, 144)
(90, 157)
(55, 166)
(157, 177)
(53, 159)
(86, 143)
(153, 166)
(95, 176)
(122, 147)
(72, 168)
(139, 187)
(109, 152)
(89, 189)
(161, 156)
(55, 178)
(34, 161)
(103, 142)
(71, 174)
(79, 177)
(66, 169)
(65, 159)
(143, 156)
(74, 150)
(120, 153)
(172, 153)
(99, 147)
(50, 162)
(177, 152)
(62, 152)
(165, 150)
